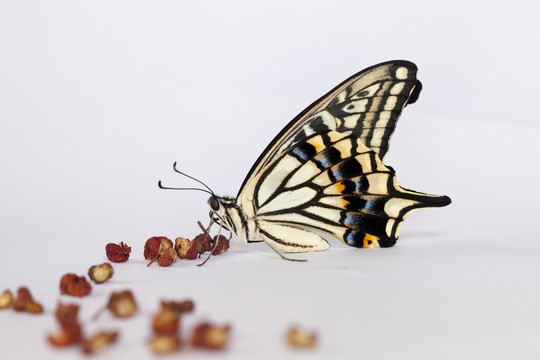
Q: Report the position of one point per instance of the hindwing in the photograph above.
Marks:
(332, 183)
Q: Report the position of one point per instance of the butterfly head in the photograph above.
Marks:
(220, 206)
(214, 204)
(223, 210)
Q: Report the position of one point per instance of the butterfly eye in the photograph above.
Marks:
(214, 203)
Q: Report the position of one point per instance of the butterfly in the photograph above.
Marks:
(324, 172)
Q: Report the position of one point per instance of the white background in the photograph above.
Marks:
(99, 98)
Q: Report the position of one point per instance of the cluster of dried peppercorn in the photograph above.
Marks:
(121, 304)
(71, 332)
(161, 249)
(23, 302)
(78, 286)
(166, 326)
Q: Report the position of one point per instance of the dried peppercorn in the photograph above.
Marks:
(117, 253)
(98, 341)
(121, 304)
(208, 336)
(301, 338)
(25, 302)
(155, 245)
(220, 244)
(70, 329)
(6, 299)
(167, 257)
(65, 313)
(166, 322)
(203, 241)
(158, 247)
(165, 343)
(71, 284)
(68, 334)
(180, 307)
(100, 273)
(182, 246)
(192, 253)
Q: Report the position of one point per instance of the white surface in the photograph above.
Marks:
(98, 99)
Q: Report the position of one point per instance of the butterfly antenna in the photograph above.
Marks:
(185, 188)
(192, 178)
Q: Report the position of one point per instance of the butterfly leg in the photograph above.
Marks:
(283, 256)
(276, 250)
(280, 237)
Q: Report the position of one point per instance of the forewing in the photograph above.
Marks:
(368, 103)
(334, 184)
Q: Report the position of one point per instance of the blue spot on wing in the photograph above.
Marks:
(370, 205)
(300, 154)
(323, 162)
(358, 203)
(328, 157)
(304, 151)
(359, 186)
(365, 222)
(354, 238)
(352, 220)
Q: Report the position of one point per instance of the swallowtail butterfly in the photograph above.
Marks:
(324, 172)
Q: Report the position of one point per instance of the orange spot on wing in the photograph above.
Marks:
(317, 144)
(339, 187)
(370, 241)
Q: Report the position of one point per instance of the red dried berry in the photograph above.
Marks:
(117, 253)
(65, 281)
(99, 341)
(166, 322)
(221, 244)
(156, 245)
(301, 338)
(203, 243)
(61, 339)
(165, 343)
(181, 245)
(167, 257)
(100, 273)
(74, 285)
(69, 334)
(208, 336)
(66, 313)
(192, 253)
(122, 304)
(6, 299)
(70, 328)
(179, 307)
(151, 247)
(25, 302)
(204, 240)
(23, 296)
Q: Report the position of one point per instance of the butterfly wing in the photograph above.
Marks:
(331, 183)
(368, 103)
